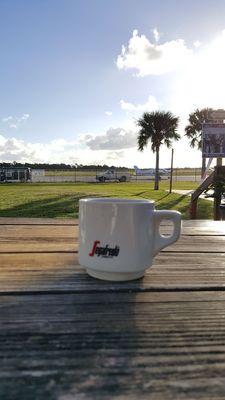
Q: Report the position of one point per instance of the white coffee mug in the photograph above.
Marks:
(118, 238)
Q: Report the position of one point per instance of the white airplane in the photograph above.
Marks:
(150, 172)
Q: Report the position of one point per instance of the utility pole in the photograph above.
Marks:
(171, 172)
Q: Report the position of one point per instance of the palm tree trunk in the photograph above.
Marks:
(156, 187)
(203, 166)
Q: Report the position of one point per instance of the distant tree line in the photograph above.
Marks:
(60, 167)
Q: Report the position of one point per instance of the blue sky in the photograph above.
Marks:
(60, 75)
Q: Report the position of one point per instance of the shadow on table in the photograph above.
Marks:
(105, 340)
(77, 345)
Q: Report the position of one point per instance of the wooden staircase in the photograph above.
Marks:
(195, 195)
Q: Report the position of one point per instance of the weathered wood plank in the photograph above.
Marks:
(67, 243)
(38, 231)
(61, 272)
(108, 297)
(72, 313)
(182, 261)
(38, 244)
(11, 225)
(29, 231)
(202, 244)
(67, 221)
(193, 227)
(198, 230)
(207, 223)
(33, 261)
(134, 345)
(96, 339)
(37, 221)
(63, 238)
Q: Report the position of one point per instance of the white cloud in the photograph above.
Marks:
(152, 58)
(201, 82)
(108, 147)
(112, 139)
(7, 119)
(109, 113)
(24, 117)
(73, 151)
(59, 150)
(197, 43)
(150, 105)
(117, 146)
(15, 122)
(156, 34)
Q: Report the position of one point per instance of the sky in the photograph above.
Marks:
(75, 75)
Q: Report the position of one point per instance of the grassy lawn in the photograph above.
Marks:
(61, 200)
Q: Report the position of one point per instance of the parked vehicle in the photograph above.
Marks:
(14, 174)
(113, 176)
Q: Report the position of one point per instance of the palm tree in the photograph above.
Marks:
(158, 127)
(194, 129)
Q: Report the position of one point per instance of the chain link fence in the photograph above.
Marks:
(128, 175)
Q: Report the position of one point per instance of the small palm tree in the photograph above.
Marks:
(158, 127)
(194, 129)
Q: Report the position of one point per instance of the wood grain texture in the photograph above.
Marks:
(61, 272)
(39, 237)
(24, 232)
(131, 346)
(37, 221)
(64, 335)
(195, 227)
(68, 243)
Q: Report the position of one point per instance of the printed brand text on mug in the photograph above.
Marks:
(104, 251)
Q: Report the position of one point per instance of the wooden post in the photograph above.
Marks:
(217, 201)
(203, 167)
(193, 208)
(171, 171)
(219, 162)
(219, 172)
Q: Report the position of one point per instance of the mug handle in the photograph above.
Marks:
(163, 241)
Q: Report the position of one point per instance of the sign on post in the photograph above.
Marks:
(218, 115)
(213, 140)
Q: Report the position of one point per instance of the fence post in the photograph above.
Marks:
(193, 209)
(171, 172)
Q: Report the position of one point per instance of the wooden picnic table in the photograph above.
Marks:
(65, 335)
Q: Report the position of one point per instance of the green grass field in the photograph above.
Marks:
(61, 200)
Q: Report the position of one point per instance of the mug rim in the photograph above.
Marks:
(116, 200)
